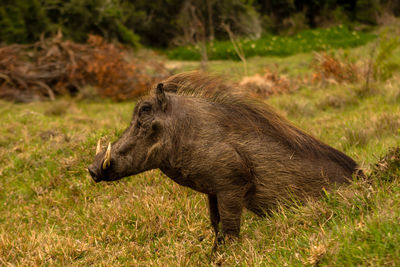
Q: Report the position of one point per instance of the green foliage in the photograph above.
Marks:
(101, 17)
(127, 36)
(160, 23)
(367, 11)
(303, 42)
(25, 21)
(22, 21)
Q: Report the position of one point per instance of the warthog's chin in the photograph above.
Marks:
(106, 178)
(107, 175)
(99, 174)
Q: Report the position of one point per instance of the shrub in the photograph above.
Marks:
(327, 66)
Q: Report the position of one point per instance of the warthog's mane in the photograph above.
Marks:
(245, 111)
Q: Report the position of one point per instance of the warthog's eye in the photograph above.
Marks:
(144, 109)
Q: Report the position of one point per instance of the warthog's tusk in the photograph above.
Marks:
(98, 148)
(107, 157)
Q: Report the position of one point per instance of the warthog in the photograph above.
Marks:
(238, 151)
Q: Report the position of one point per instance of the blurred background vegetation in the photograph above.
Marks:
(166, 23)
(55, 47)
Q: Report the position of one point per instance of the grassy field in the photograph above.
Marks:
(52, 213)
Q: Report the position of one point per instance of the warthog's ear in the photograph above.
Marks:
(161, 98)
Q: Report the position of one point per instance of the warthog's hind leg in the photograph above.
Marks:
(230, 207)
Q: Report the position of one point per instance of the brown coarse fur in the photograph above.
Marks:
(238, 151)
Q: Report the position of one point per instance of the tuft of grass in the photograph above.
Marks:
(337, 100)
(388, 167)
(357, 137)
(60, 109)
(300, 108)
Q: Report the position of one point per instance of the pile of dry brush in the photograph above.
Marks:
(331, 69)
(53, 67)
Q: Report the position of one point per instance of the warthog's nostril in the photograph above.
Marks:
(93, 173)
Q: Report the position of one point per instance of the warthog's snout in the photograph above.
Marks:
(97, 172)
(94, 173)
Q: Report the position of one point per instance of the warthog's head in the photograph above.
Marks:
(141, 147)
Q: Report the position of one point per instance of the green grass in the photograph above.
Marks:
(270, 45)
(52, 213)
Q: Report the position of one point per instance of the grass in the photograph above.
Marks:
(270, 45)
(51, 213)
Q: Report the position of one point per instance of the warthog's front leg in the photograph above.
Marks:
(214, 217)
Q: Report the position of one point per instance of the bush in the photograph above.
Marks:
(24, 21)
(330, 68)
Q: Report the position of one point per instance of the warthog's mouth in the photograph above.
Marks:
(96, 176)
(98, 173)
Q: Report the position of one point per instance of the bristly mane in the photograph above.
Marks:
(258, 115)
